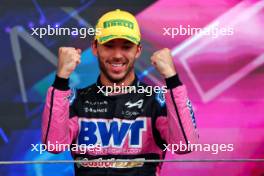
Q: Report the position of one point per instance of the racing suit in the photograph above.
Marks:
(126, 126)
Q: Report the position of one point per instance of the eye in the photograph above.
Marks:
(127, 47)
(109, 45)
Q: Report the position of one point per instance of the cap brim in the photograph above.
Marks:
(119, 37)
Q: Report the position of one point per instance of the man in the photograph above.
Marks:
(120, 126)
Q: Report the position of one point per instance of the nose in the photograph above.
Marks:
(118, 53)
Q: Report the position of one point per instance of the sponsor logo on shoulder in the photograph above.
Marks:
(160, 97)
(72, 96)
(189, 105)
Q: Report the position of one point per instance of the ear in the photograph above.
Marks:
(94, 47)
(139, 50)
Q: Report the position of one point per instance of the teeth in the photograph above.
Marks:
(117, 65)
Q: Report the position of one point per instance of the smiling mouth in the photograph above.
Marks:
(117, 65)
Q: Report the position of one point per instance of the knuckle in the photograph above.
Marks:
(76, 59)
(61, 49)
(156, 52)
(66, 49)
(167, 50)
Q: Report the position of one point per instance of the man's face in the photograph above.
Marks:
(117, 58)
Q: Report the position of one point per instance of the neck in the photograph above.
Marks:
(126, 82)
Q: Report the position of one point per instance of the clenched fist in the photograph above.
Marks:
(69, 58)
(162, 60)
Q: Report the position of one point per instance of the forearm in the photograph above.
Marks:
(179, 114)
(57, 127)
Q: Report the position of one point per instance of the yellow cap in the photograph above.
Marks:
(117, 24)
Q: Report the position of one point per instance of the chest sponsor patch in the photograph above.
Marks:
(111, 133)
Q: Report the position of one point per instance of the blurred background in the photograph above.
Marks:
(224, 75)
